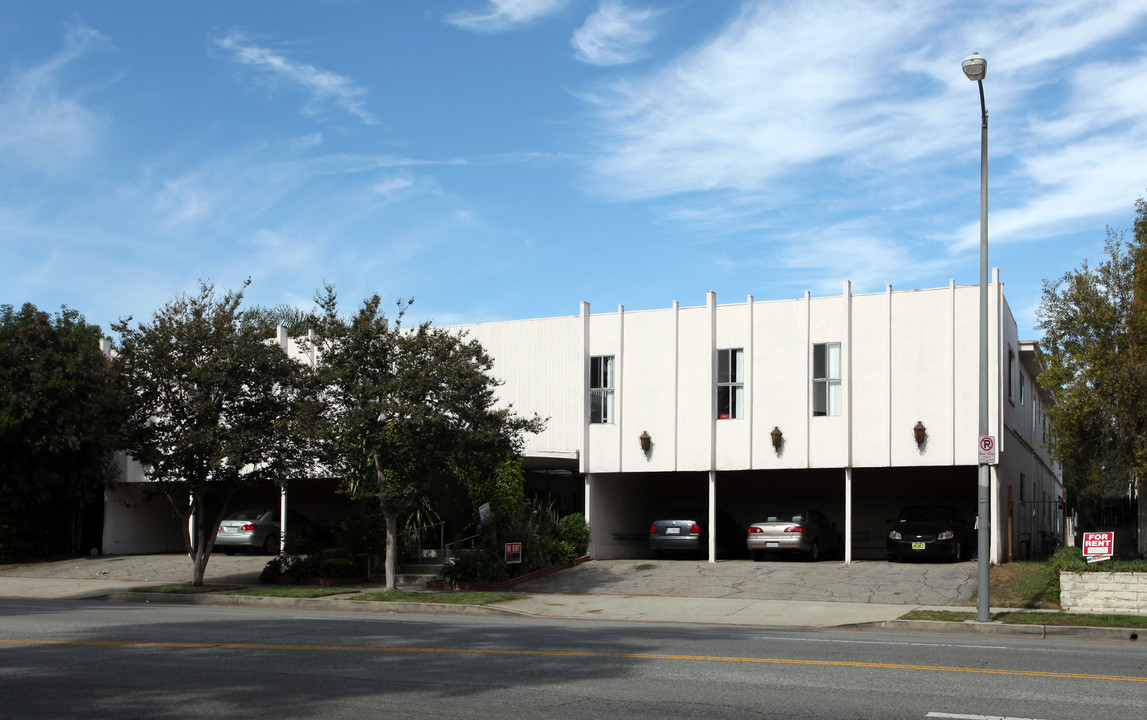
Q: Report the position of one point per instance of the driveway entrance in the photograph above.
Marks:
(862, 582)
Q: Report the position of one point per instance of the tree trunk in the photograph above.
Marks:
(391, 547)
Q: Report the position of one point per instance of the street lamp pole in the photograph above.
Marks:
(976, 67)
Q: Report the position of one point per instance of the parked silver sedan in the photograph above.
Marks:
(803, 530)
(258, 529)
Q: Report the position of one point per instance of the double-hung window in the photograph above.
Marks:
(730, 384)
(826, 397)
(601, 389)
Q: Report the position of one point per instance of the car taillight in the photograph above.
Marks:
(695, 530)
(794, 528)
(653, 529)
(247, 528)
(755, 530)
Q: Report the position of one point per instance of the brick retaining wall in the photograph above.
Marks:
(1110, 592)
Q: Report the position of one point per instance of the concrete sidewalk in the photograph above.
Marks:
(701, 594)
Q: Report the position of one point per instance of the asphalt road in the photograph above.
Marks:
(72, 659)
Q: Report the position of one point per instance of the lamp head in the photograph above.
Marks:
(975, 67)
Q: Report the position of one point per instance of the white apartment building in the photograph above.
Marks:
(856, 404)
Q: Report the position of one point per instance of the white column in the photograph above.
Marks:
(619, 388)
(583, 456)
(283, 520)
(846, 398)
(848, 516)
(712, 516)
(589, 513)
(748, 379)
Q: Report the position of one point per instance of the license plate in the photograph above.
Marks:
(673, 531)
(917, 546)
(772, 544)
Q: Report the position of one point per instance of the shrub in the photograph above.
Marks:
(573, 529)
(546, 542)
(332, 563)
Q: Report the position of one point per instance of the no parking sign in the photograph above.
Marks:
(987, 448)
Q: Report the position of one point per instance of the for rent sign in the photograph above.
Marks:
(1098, 546)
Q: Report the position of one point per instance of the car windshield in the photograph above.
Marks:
(927, 514)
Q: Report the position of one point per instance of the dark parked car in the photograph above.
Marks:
(928, 531)
(258, 529)
(685, 531)
(802, 530)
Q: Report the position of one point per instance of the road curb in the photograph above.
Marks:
(1077, 632)
(310, 604)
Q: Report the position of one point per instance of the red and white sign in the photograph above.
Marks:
(1098, 546)
(514, 552)
(987, 448)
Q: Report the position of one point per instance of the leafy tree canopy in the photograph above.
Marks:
(59, 420)
(1095, 325)
(213, 407)
(406, 406)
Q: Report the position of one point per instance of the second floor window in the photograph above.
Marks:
(601, 389)
(826, 398)
(730, 384)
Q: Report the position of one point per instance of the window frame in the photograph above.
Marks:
(827, 400)
(730, 385)
(602, 375)
(1011, 375)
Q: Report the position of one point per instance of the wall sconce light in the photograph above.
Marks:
(646, 442)
(778, 438)
(920, 433)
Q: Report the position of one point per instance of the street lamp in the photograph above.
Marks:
(976, 67)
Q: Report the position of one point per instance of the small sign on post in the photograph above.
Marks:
(1098, 546)
(514, 552)
(988, 450)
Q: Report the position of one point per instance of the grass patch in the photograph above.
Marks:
(1034, 618)
(185, 589)
(1078, 619)
(1025, 585)
(455, 598)
(296, 592)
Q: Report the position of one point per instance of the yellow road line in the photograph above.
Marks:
(564, 653)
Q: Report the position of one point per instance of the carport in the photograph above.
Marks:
(622, 505)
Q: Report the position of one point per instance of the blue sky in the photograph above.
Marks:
(502, 159)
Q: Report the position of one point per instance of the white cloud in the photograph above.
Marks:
(758, 127)
(614, 35)
(500, 15)
(323, 87)
(393, 186)
(42, 125)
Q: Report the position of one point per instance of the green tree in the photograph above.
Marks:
(1094, 325)
(406, 405)
(59, 417)
(214, 407)
(267, 320)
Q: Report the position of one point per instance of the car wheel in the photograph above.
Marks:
(271, 544)
(893, 558)
(959, 554)
(659, 554)
(229, 552)
(758, 555)
(814, 553)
